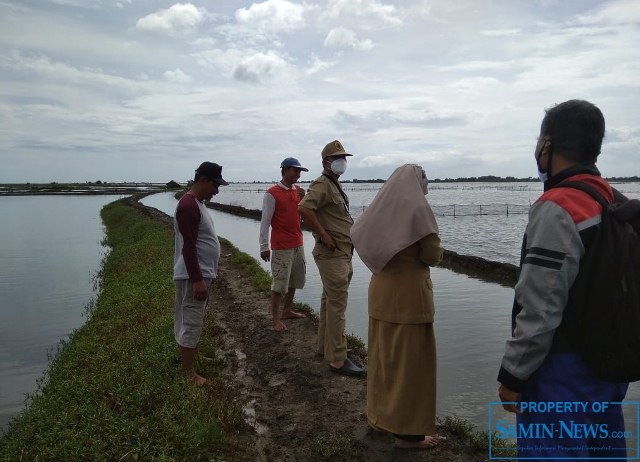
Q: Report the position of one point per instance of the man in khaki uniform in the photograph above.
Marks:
(325, 208)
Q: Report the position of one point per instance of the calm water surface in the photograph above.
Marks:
(51, 249)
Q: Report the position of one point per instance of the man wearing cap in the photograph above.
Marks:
(280, 211)
(195, 263)
(325, 208)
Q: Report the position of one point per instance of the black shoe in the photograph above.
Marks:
(349, 369)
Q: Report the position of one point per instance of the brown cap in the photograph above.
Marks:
(334, 148)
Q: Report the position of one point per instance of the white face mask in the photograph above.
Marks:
(339, 166)
(544, 176)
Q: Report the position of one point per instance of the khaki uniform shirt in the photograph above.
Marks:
(324, 198)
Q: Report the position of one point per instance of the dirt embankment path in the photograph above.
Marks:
(297, 408)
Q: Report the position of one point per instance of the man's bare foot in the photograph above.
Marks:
(279, 326)
(428, 443)
(292, 315)
(198, 379)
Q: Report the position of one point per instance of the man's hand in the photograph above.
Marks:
(327, 240)
(200, 290)
(300, 191)
(265, 255)
(509, 396)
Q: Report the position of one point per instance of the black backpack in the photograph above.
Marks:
(603, 318)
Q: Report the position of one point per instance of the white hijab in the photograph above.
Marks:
(398, 217)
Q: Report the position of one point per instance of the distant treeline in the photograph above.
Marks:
(496, 179)
(471, 179)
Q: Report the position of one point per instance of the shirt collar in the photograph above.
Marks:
(566, 173)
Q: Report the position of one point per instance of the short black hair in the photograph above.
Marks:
(576, 128)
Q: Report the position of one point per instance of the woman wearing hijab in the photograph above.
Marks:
(397, 238)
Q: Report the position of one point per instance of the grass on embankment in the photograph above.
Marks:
(115, 391)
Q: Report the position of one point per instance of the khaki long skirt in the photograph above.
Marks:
(401, 378)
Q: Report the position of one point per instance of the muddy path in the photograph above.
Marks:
(298, 408)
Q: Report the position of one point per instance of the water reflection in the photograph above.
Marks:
(51, 249)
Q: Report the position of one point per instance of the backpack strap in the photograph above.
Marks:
(624, 209)
(618, 197)
(585, 188)
(629, 211)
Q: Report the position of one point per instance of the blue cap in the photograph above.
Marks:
(292, 162)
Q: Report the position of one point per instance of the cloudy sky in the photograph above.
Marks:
(144, 90)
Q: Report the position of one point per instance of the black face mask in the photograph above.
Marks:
(544, 176)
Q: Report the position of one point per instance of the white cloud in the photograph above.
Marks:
(177, 76)
(362, 8)
(317, 65)
(78, 3)
(344, 38)
(224, 61)
(476, 66)
(181, 16)
(260, 67)
(249, 65)
(272, 16)
(477, 84)
(501, 32)
(204, 42)
(617, 12)
(623, 134)
(64, 73)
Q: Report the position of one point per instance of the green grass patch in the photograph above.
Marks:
(302, 308)
(479, 439)
(114, 391)
(260, 278)
(356, 345)
(329, 446)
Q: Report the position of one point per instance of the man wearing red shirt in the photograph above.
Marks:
(288, 267)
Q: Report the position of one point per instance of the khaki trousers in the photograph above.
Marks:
(335, 273)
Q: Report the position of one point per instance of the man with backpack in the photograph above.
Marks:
(544, 360)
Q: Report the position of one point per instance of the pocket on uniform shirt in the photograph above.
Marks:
(337, 199)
